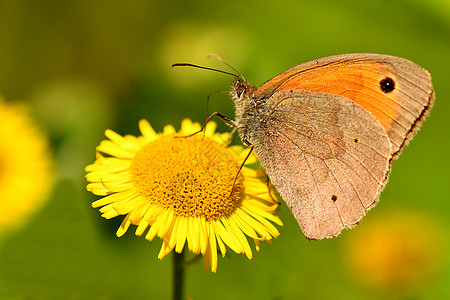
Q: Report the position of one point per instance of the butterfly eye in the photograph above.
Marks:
(240, 90)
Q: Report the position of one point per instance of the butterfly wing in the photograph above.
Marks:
(326, 155)
(396, 91)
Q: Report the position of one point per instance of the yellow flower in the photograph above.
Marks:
(181, 189)
(399, 253)
(25, 166)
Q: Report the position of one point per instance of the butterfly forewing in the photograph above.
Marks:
(396, 91)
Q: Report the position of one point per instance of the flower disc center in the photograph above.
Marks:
(192, 176)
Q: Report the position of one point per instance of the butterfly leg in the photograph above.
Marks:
(225, 119)
(240, 168)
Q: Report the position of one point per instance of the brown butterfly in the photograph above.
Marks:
(327, 132)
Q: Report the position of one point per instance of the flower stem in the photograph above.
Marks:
(178, 275)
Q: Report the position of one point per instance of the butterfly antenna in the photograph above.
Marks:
(212, 55)
(205, 68)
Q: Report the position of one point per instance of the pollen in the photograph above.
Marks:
(193, 176)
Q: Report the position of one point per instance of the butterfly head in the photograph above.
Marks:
(241, 89)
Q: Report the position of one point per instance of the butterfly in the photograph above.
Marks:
(327, 132)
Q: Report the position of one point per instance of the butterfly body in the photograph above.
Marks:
(327, 131)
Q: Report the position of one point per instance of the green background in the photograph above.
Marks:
(85, 66)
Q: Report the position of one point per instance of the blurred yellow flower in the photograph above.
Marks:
(26, 168)
(398, 253)
(181, 189)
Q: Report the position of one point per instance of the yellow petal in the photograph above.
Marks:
(181, 234)
(124, 226)
(213, 250)
(112, 149)
(141, 227)
(147, 130)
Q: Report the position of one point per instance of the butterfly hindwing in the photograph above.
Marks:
(326, 155)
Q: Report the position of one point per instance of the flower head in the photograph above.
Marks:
(25, 166)
(184, 189)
